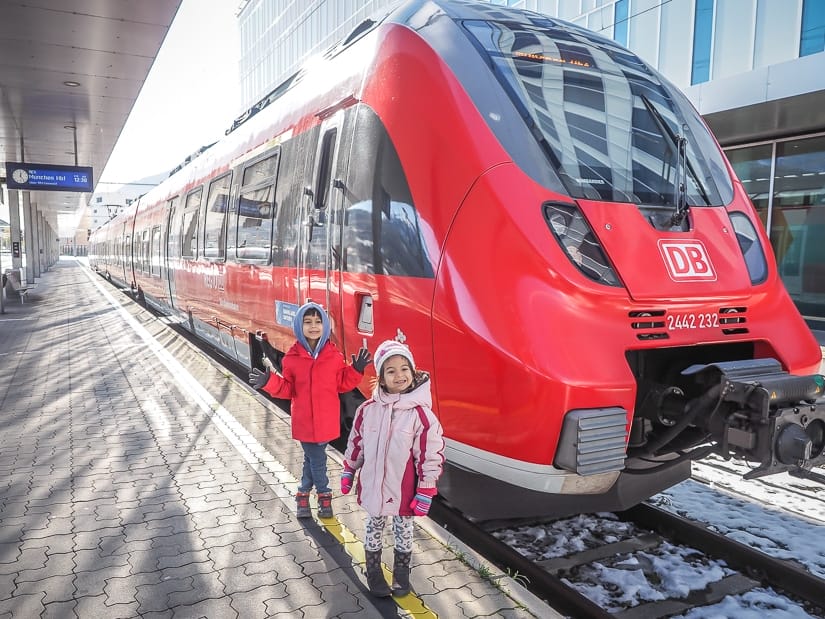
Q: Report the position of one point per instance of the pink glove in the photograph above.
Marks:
(422, 501)
(346, 480)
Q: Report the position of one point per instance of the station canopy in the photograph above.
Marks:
(70, 73)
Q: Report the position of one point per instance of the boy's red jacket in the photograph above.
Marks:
(313, 386)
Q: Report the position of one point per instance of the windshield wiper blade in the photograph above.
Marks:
(683, 163)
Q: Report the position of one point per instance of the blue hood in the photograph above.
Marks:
(298, 327)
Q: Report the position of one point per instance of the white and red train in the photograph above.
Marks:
(544, 219)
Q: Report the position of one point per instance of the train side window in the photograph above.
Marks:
(144, 251)
(256, 209)
(173, 235)
(214, 224)
(383, 233)
(288, 198)
(155, 252)
(189, 234)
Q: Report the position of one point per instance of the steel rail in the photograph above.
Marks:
(783, 574)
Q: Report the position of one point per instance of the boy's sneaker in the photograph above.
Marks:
(302, 500)
(325, 504)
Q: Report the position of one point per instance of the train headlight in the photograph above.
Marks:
(576, 238)
(751, 247)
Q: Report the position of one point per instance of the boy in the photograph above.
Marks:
(314, 372)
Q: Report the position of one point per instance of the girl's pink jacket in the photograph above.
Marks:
(396, 441)
(313, 386)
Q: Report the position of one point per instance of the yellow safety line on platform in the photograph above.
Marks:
(355, 549)
(249, 447)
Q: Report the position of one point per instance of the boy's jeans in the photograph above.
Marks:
(315, 468)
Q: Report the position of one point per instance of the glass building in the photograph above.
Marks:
(755, 70)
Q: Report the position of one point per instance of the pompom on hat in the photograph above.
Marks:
(390, 348)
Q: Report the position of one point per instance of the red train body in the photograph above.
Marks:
(546, 222)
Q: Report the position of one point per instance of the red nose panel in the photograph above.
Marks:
(657, 265)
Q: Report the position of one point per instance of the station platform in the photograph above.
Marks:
(138, 478)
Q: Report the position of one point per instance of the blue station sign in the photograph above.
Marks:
(47, 177)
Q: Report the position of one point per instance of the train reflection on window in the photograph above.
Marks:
(382, 231)
(588, 115)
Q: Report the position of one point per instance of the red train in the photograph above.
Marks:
(542, 217)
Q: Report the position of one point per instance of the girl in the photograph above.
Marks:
(396, 441)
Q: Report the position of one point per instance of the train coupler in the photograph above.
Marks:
(766, 415)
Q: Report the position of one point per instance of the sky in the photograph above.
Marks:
(189, 98)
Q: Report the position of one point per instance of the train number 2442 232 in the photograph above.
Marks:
(692, 321)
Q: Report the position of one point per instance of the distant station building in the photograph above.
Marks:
(755, 69)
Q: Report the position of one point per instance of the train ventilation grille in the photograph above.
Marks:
(650, 324)
(733, 320)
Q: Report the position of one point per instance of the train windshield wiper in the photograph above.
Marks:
(682, 162)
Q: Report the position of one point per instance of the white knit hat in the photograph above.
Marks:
(390, 348)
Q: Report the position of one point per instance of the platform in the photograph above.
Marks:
(138, 478)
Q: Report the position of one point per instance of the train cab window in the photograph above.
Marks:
(255, 211)
(155, 252)
(383, 233)
(189, 235)
(214, 224)
(610, 129)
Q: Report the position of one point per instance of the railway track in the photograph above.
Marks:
(561, 580)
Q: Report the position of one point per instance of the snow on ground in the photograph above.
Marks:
(780, 515)
(781, 522)
(756, 604)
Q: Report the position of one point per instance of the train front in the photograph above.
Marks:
(607, 307)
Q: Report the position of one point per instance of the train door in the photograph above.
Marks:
(335, 218)
(172, 254)
(314, 260)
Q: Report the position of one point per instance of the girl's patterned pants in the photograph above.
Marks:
(402, 529)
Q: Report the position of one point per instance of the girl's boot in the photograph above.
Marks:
(375, 575)
(325, 504)
(401, 573)
(302, 502)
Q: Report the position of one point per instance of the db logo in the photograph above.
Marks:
(687, 261)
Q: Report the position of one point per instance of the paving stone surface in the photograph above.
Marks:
(122, 496)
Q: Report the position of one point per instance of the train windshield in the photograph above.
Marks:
(612, 128)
